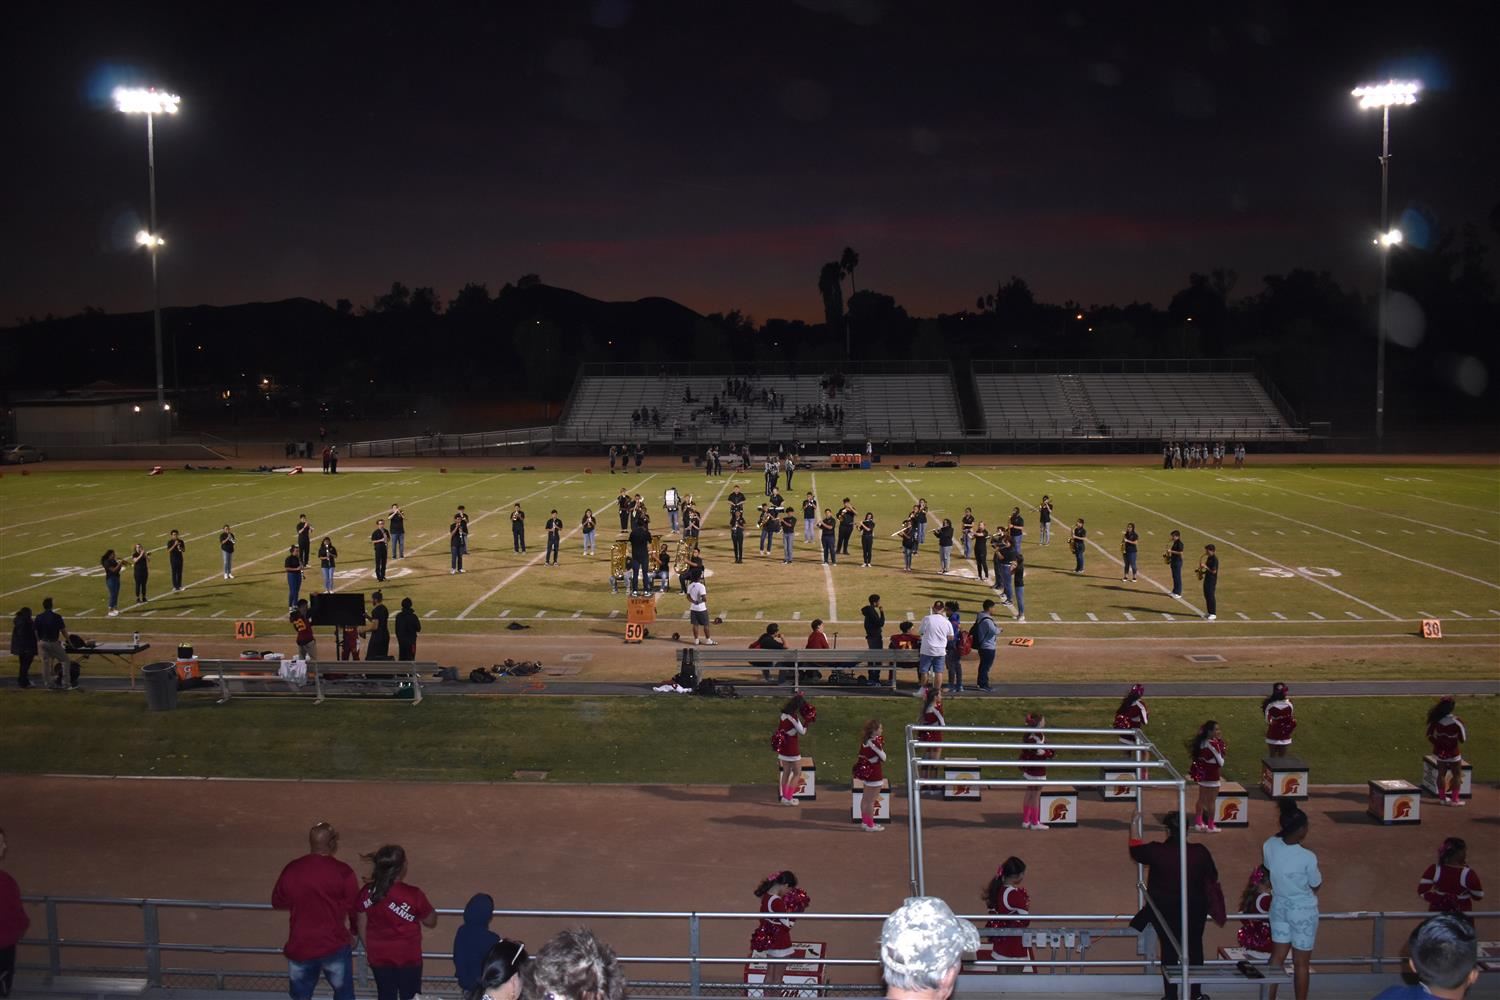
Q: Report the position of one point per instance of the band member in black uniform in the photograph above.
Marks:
(638, 512)
(827, 529)
(966, 531)
(867, 539)
(736, 504)
(518, 528)
(1044, 517)
(304, 538)
(624, 503)
(766, 522)
(175, 548)
(692, 571)
(1174, 560)
(1208, 571)
(788, 530)
(982, 550)
(847, 518)
(693, 526)
(737, 533)
(455, 545)
(380, 538)
(809, 517)
(463, 528)
(554, 538)
(777, 500)
(1017, 528)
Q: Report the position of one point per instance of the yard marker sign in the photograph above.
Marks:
(1432, 628)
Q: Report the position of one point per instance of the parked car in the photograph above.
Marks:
(20, 454)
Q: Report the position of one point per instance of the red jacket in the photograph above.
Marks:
(817, 640)
(13, 919)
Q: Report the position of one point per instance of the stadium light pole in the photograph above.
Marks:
(151, 102)
(1383, 96)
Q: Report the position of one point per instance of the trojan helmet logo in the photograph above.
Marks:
(801, 785)
(1402, 809)
(1291, 785)
(1122, 791)
(1229, 811)
(1059, 812)
(961, 790)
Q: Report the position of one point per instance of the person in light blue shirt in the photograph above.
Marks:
(1295, 880)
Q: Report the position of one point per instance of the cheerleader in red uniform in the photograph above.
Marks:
(773, 935)
(796, 716)
(1446, 733)
(932, 715)
(1007, 899)
(1131, 714)
(1208, 750)
(1255, 935)
(1451, 885)
(1031, 804)
(1280, 721)
(870, 768)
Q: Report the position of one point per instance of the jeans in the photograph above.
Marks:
(1003, 580)
(830, 552)
(967, 543)
(945, 555)
(1078, 556)
(906, 553)
(929, 664)
(398, 545)
(553, 543)
(293, 588)
(661, 580)
(1046, 532)
(765, 540)
(397, 982)
(456, 557)
(955, 665)
(1021, 601)
(1176, 577)
(337, 968)
(671, 519)
(517, 539)
(1015, 540)
(809, 524)
(921, 532)
(327, 577)
(786, 545)
(112, 588)
(228, 562)
(986, 661)
(1131, 555)
(588, 543)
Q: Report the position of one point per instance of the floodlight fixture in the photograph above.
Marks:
(149, 241)
(1390, 239)
(145, 101)
(1388, 94)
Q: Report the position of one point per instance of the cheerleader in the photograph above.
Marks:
(1208, 750)
(1006, 898)
(870, 768)
(773, 935)
(1031, 803)
(1446, 733)
(1450, 886)
(1277, 708)
(796, 715)
(1131, 714)
(932, 715)
(1255, 935)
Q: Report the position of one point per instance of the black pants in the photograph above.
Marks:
(518, 538)
(738, 538)
(406, 651)
(624, 520)
(7, 969)
(140, 586)
(397, 981)
(1210, 586)
(176, 574)
(829, 550)
(874, 642)
(553, 541)
(867, 547)
(303, 548)
(380, 557)
(378, 647)
(982, 560)
(844, 536)
(1169, 958)
(23, 677)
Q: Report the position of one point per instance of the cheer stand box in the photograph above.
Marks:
(1116, 793)
(1060, 806)
(1233, 805)
(808, 789)
(1429, 777)
(802, 978)
(1395, 803)
(882, 804)
(961, 770)
(1283, 777)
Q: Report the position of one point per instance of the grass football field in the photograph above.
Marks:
(1305, 550)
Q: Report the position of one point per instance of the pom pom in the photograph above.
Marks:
(795, 901)
(809, 713)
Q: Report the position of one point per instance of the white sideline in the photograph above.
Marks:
(1208, 534)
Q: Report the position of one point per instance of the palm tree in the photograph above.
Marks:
(848, 261)
(831, 285)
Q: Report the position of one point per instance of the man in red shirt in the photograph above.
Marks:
(322, 894)
(307, 640)
(13, 924)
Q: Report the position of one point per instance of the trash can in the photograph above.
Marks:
(161, 686)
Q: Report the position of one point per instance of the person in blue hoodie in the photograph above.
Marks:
(473, 940)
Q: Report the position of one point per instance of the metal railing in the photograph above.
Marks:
(262, 963)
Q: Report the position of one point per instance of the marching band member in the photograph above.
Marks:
(809, 517)
(1173, 556)
(982, 551)
(588, 525)
(624, 503)
(1130, 549)
(737, 533)
(1450, 885)
(1079, 534)
(945, 545)
(1031, 804)
(867, 539)
(908, 542)
(1277, 708)
(1208, 572)
(827, 529)
(1008, 900)
(796, 715)
(1017, 528)
(1044, 517)
(788, 529)
(772, 938)
(768, 526)
(736, 503)
(1209, 751)
(1447, 734)
(846, 517)
(920, 519)
(966, 531)
(870, 768)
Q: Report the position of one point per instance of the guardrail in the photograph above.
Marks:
(1074, 935)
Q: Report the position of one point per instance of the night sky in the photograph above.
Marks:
(718, 153)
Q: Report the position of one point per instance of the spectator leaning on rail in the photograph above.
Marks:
(321, 893)
(473, 940)
(922, 948)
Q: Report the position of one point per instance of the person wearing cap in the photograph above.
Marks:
(922, 947)
(407, 627)
(320, 894)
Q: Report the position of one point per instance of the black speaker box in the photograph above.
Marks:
(338, 609)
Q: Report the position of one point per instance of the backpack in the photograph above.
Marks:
(479, 675)
(966, 642)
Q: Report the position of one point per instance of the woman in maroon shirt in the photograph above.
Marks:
(1165, 888)
(391, 915)
(13, 924)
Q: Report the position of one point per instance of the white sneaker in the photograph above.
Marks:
(114, 612)
(1021, 619)
(710, 642)
(1213, 618)
(697, 641)
(452, 571)
(1026, 826)
(1040, 826)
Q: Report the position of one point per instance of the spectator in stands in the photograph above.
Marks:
(390, 916)
(23, 645)
(922, 946)
(13, 923)
(51, 636)
(1295, 881)
(500, 972)
(1164, 891)
(986, 642)
(936, 630)
(321, 895)
(408, 625)
(473, 940)
(1443, 953)
(574, 965)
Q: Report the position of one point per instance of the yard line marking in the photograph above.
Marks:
(1461, 614)
(1306, 532)
(910, 617)
(1354, 531)
(1280, 532)
(578, 614)
(1396, 493)
(1116, 560)
(1055, 616)
(252, 614)
(1372, 545)
(1426, 614)
(1494, 612)
(1279, 615)
(1243, 616)
(615, 613)
(1317, 616)
(759, 615)
(82, 614)
(833, 601)
(184, 614)
(796, 616)
(217, 613)
(536, 558)
(1254, 532)
(148, 614)
(430, 614)
(542, 613)
(1092, 617)
(1407, 531)
(1168, 617)
(686, 616)
(505, 613)
(1356, 617)
(1228, 531)
(1381, 531)
(1129, 617)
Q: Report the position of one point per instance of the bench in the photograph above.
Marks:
(83, 987)
(1229, 976)
(363, 675)
(798, 660)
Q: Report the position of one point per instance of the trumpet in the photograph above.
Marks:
(618, 553)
